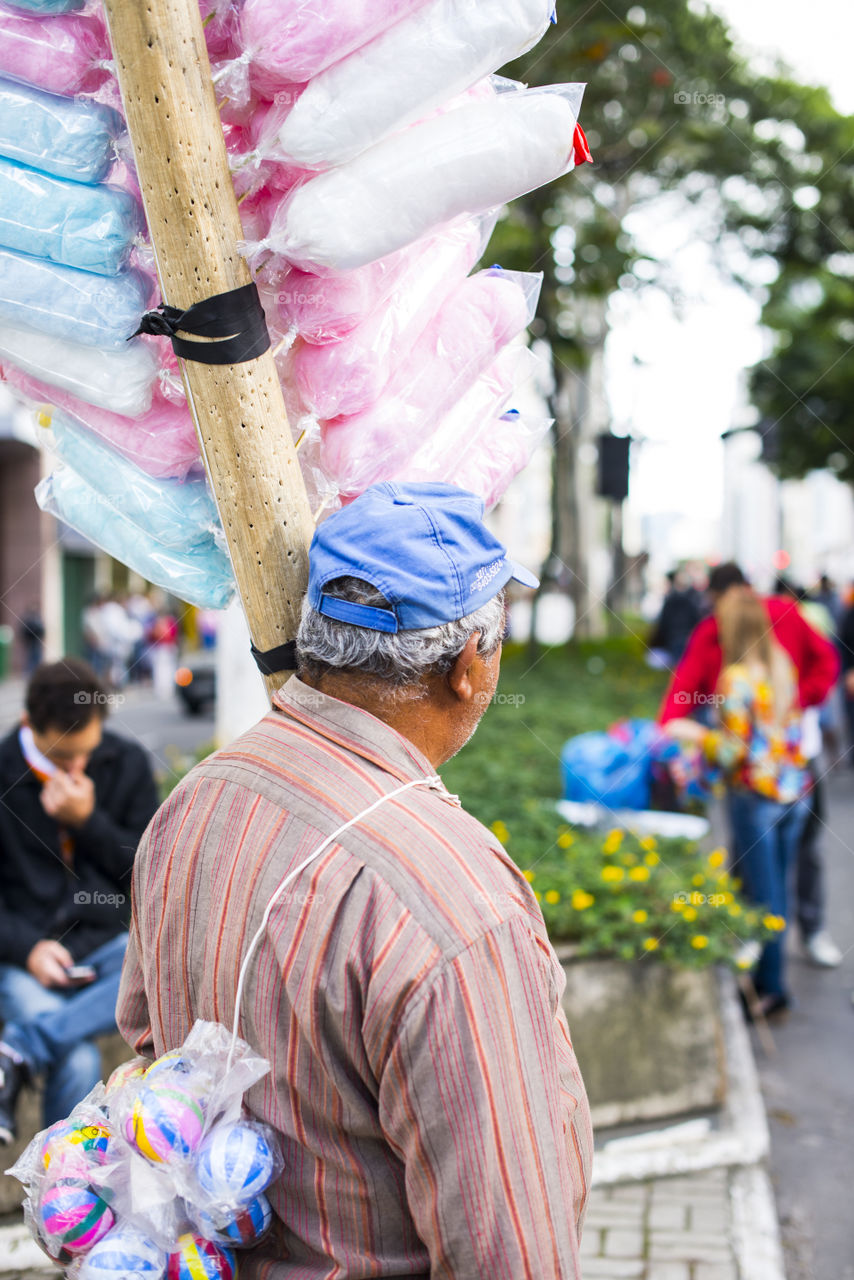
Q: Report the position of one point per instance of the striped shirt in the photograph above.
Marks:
(432, 1114)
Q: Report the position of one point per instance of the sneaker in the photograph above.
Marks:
(820, 949)
(13, 1074)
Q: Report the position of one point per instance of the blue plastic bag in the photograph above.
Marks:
(611, 769)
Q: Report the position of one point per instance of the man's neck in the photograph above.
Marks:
(414, 719)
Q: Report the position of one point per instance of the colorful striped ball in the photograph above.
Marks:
(235, 1163)
(173, 1060)
(73, 1216)
(124, 1254)
(200, 1259)
(243, 1228)
(124, 1074)
(165, 1123)
(66, 1140)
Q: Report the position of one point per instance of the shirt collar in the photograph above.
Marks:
(355, 730)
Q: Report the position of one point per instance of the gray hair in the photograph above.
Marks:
(400, 658)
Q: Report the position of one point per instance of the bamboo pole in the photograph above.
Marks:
(165, 79)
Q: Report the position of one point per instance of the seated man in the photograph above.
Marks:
(74, 802)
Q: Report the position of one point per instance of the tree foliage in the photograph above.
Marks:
(671, 107)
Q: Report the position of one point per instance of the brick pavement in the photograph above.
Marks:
(665, 1229)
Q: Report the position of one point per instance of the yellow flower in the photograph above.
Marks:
(499, 830)
(639, 873)
(650, 944)
(613, 873)
(529, 876)
(677, 905)
(734, 909)
(648, 842)
(552, 896)
(699, 878)
(699, 941)
(743, 963)
(717, 858)
(775, 923)
(651, 859)
(565, 839)
(613, 840)
(639, 916)
(581, 900)
(690, 913)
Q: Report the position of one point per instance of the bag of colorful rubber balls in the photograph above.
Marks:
(160, 1173)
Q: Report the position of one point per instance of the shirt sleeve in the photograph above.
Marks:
(819, 668)
(482, 1099)
(132, 1016)
(695, 674)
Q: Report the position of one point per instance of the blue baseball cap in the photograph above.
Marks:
(423, 546)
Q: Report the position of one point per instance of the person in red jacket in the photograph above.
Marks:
(693, 690)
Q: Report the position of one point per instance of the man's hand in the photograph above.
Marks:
(849, 683)
(69, 798)
(48, 961)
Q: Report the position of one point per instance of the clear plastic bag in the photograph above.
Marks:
(485, 459)
(393, 80)
(64, 54)
(464, 161)
(121, 381)
(349, 376)
(161, 442)
(91, 228)
(180, 514)
(293, 40)
(485, 313)
(67, 137)
(45, 7)
(76, 306)
(202, 576)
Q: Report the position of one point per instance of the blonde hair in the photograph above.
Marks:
(746, 636)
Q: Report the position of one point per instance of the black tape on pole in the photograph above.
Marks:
(284, 658)
(235, 319)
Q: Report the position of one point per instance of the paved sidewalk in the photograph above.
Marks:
(716, 1225)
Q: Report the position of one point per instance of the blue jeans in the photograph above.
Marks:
(766, 839)
(54, 1030)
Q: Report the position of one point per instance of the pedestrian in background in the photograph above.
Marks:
(694, 688)
(757, 744)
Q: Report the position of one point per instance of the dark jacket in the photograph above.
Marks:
(87, 904)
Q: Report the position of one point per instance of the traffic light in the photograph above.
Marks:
(612, 479)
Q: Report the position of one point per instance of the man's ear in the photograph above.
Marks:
(25, 719)
(459, 677)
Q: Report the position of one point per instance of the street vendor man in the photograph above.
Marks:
(432, 1115)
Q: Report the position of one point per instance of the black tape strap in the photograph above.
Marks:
(284, 658)
(235, 318)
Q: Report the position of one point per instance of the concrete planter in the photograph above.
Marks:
(649, 1039)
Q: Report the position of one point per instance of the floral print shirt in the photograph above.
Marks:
(756, 750)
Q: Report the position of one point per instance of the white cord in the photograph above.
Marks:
(419, 782)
